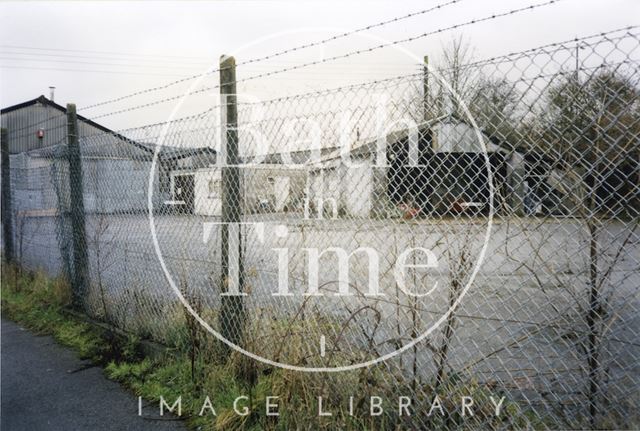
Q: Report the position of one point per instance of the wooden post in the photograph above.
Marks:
(232, 276)
(7, 215)
(79, 277)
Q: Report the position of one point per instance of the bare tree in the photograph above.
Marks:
(493, 104)
(459, 258)
(457, 76)
(592, 127)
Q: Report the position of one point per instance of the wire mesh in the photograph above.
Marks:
(476, 226)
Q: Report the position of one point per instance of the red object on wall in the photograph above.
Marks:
(40, 133)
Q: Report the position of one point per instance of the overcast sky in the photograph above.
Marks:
(94, 51)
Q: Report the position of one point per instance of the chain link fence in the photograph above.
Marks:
(473, 225)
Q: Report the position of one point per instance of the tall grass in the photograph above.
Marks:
(196, 368)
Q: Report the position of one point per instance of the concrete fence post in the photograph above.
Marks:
(7, 215)
(425, 88)
(232, 276)
(79, 276)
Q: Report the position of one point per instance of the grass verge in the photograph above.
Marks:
(196, 371)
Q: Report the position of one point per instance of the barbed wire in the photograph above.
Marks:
(307, 64)
(480, 63)
(484, 62)
(405, 40)
(350, 33)
(560, 46)
(338, 57)
(278, 53)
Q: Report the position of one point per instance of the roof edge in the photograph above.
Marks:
(43, 100)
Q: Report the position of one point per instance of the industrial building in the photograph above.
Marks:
(445, 171)
(116, 169)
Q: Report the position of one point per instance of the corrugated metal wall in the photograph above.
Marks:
(22, 126)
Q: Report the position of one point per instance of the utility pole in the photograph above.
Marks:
(577, 69)
(425, 88)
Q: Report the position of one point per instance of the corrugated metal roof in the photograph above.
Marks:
(108, 144)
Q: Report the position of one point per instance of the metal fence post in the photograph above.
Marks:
(232, 275)
(7, 222)
(79, 277)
